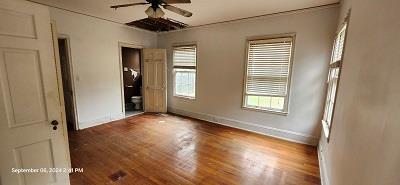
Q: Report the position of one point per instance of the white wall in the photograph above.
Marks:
(364, 148)
(95, 61)
(221, 65)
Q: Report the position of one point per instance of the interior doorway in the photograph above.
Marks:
(132, 80)
(67, 78)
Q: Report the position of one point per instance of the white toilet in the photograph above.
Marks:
(137, 100)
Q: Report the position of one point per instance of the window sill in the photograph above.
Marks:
(184, 97)
(266, 111)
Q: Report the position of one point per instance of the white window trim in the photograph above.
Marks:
(285, 111)
(327, 124)
(196, 68)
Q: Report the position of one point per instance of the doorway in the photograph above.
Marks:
(68, 88)
(132, 80)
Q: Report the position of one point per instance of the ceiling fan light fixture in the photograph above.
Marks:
(150, 11)
(158, 13)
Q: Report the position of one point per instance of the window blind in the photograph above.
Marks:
(184, 56)
(268, 67)
(338, 46)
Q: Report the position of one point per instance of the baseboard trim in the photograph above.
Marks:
(322, 167)
(251, 127)
(100, 121)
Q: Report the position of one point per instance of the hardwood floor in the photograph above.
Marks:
(168, 149)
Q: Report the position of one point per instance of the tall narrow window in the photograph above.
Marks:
(184, 66)
(268, 74)
(333, 79)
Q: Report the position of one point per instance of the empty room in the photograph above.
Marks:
(190, 92)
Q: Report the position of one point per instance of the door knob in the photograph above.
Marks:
(54, 123)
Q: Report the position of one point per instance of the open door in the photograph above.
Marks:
(31, 126)
(155, 80)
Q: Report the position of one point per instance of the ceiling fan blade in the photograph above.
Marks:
(126, 5)
(176, 1)
(178, 10)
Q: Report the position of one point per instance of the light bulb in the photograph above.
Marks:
(159, 13)
(150, 12)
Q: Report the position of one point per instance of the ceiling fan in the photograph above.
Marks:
(154, 11)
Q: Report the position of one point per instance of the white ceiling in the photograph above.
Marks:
(204, 11)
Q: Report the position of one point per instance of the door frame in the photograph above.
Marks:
(54, 36)
(71, 77)
(121, 71)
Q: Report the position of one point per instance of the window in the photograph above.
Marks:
(268, 74)
(333, 79)
(184, 69)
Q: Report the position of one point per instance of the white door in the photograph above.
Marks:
(155, 80)
(29, 97)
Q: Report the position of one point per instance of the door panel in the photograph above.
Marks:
(155, 91)
(41, 159)
(29, 97)
(20, 73)
(25, 28)
(160, 93)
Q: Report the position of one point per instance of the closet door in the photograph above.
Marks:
(155, 80)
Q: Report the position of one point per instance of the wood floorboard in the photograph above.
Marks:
(169, 149)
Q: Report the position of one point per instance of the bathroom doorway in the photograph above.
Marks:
(131, 80)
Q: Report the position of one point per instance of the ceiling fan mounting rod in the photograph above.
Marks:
(154, 5)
